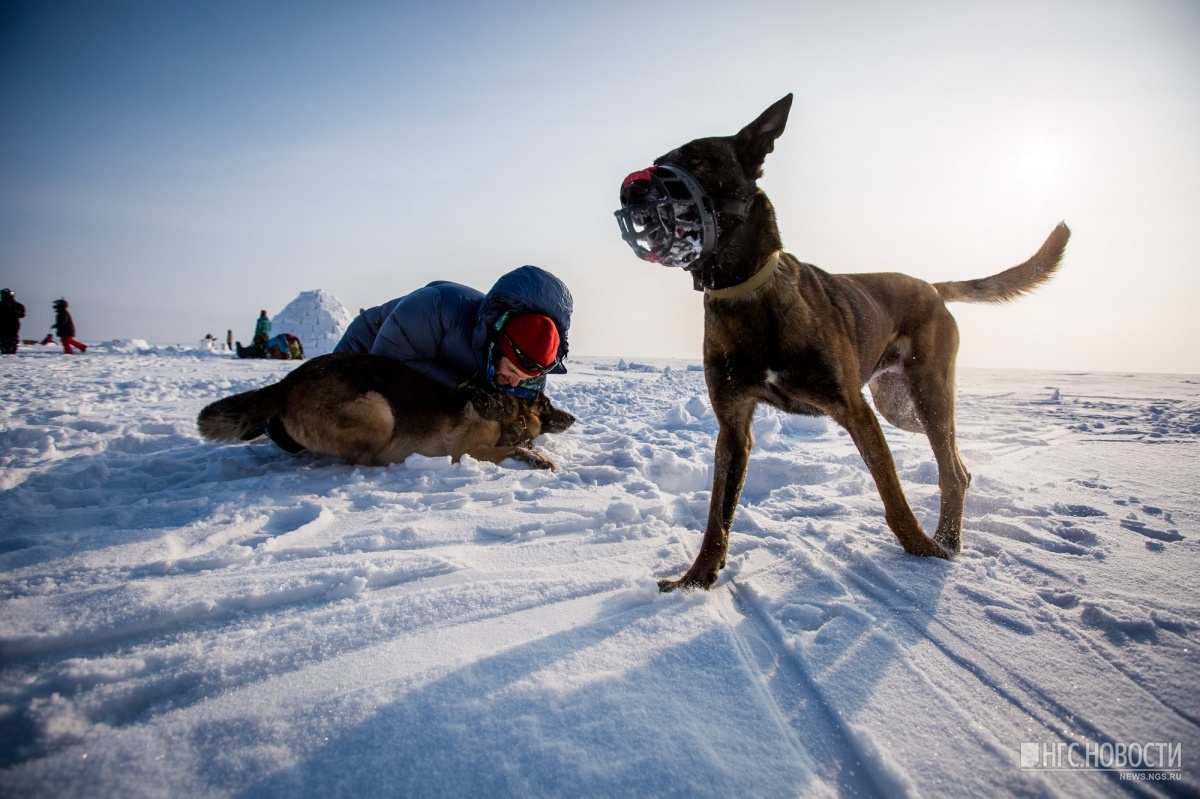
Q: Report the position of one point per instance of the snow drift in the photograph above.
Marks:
(179, 618)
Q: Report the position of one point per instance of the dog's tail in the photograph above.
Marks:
(1011, 283)
(232, 418)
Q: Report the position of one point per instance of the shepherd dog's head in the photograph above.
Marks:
(521, 420)
(526, 419)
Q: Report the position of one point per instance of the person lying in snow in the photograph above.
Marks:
(510, 338)
(507, 340)
(284, 347)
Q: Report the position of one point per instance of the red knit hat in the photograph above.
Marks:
(534, 336)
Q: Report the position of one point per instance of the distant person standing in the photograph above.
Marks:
(11, 313)
(262, 328)
(65, 326)
(229, 340)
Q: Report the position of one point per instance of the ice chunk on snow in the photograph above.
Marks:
(674, 474)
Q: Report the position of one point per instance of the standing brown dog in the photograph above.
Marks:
(802, 340)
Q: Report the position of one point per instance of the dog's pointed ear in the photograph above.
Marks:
(753, 142)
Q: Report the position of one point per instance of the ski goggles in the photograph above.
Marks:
(525, 363)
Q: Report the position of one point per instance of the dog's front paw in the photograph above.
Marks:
(534, 459)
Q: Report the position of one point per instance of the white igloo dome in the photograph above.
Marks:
(317, 318)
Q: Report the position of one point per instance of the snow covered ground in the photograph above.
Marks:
(179, 618)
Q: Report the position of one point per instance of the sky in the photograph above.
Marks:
(172, 168)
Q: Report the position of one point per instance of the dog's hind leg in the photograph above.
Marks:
(932, 387)
(730, 459)
(356, 429)
(278, 433)
(859, 420)
(953, 480)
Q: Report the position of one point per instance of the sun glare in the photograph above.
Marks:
(1038, 165)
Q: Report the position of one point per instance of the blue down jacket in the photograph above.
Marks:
(445, 329)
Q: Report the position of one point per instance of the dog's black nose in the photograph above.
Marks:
(636, 187)
(560, 421)
(634, 193)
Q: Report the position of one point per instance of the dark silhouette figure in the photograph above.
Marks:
(11, 314)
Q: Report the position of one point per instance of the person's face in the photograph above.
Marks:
(508, 374)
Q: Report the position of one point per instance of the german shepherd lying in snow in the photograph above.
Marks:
(374, 410)
(802, 340)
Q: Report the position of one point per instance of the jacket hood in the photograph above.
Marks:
(528, 289)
